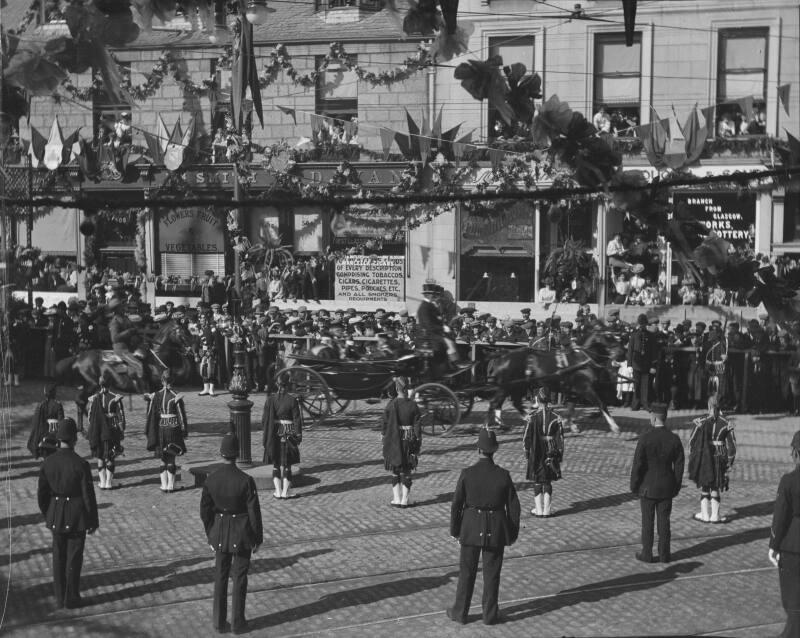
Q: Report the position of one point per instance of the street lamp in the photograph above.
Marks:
(257, 11)
(240, 407)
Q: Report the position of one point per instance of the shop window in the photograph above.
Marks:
(617, 83)
(337, 93)
(512, 49)
(741, 75)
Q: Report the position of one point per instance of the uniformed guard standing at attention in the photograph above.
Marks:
(784, 542)
(402, 439)
(45, 419)
(544, 447)
(282, 433)
(484, 518)
(106, 431)
(67, 500)
(656, 477)
(231, 515)
(166, 429)
(712, 451)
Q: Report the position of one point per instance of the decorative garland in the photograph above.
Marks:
(170, 65)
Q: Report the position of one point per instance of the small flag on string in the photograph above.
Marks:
(496, 156)
(162, 134)
(783, 96)
(317, 122)
(387, 137)
(288, 111)
(36, 150)
(425, 140)
(460, 145)
(54, 149)
(746, 104)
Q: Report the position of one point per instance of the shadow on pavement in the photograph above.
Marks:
(599, 591)
(7, 559)
(36, 518)
(275, 563)
(447, 497)
(364, 483)
(334, 467)
(764, 508)
(600, 502)
(721, 542)
(210, 427)
(352, 598)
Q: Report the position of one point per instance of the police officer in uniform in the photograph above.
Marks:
(484, 518)
(642, 359)
(231, 516)
(67, 501)
(656, 477)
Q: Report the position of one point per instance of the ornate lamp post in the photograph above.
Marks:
(240, 406)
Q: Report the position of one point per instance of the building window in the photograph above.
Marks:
(106, 111)
(742, 82)
(617, 83)
(337, 93)
(512, 49)
(791, 217)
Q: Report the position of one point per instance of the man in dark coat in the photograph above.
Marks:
(282, 433)
(166, 429)
(231, 515)
(656, 477)
(402, 438)
(484, 518)
(45, 419)
(544, 448)
(642, 357)
(106, 431)
(67, 501)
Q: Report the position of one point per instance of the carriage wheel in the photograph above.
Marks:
(310, 389)
(339, 405)
(465, 402)
(439, 406)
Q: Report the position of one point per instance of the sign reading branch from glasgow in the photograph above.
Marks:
(730, 215)
(370, 278)
(190, 230)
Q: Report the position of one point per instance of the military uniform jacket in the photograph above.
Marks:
(429, 318)
(66, 493)
(710, 433)
(785, 533)
(657, 469)
(230, 511)
(48, 410)
(485, 510)
(281, 411)
(165, 401)
(544, 454)
(101, 428)
(399, 412)
(123, 334)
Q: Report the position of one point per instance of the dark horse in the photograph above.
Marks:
(583, 373)
(169, 349)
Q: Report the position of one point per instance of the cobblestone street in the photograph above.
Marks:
(339, 561)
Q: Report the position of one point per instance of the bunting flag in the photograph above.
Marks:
(695, 131)
(746, 104)
(387, 137)
(460, 145)
(317, 122)
(290, 112)
(783, 96)
(794, 149)
(36, 150)
(350, 129)
(708, 114)
(424, 140)
(629, 13)
(154, 146)
(54, 149)
(496, 157)
(72, 147)
(162, 134)
(655, 143)
(178, 144)
(426, 255)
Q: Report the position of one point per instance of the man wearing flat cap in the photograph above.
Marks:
(484, 518)
(656, 477)
(67, 501)
(231, 515)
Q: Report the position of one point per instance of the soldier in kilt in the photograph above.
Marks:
(402, 440)
(166, 428)
(544, 448)
(712, 451)
(106, 432)
(45, 419)
(207, 361)
(282, 425)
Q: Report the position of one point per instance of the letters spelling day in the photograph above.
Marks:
(378, 279)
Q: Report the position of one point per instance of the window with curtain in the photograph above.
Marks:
(617, 82)
(106, 111)
(742, 81)
(512, 49)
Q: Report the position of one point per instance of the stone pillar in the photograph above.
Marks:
(240, 407)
